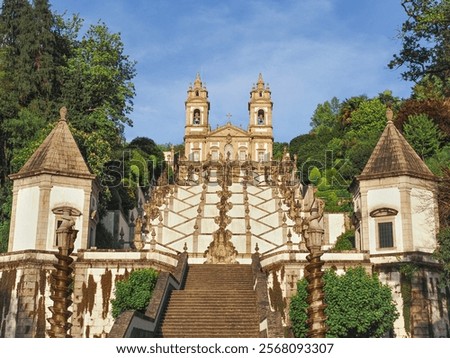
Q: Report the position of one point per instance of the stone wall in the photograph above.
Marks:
(25, 285)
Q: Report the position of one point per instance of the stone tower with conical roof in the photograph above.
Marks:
(54, 182)
(395, 198)
(396, 221)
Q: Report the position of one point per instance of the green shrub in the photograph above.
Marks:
(135, 292)
(358, 305)
(345, 241)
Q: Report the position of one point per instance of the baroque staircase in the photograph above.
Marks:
(217, 301)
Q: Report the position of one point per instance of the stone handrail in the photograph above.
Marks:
(270, 324)
(134, 324)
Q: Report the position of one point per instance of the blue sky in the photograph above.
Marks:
(307, 50)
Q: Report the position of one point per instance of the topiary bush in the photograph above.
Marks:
(135, 292)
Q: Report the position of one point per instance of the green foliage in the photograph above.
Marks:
(314, 175)
(298, 310)
(423, 134)
(326, 114)
(425, 36)
(358, 305)
(5, 212)
(369, 118)
(439, 161)
(345, 241)
(46, 63)
(97, 82)
(135, 292)
(442, 254)
(278, 150)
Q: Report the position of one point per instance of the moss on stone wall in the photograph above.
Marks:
(7, 285)
(277, 301)
(106, 283)
(406, 274)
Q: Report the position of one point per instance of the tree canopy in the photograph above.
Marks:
(46, 63)
(425, 38)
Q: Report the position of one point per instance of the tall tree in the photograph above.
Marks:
(425, 37)
(423, 135)
(326, 114)
(98, 88)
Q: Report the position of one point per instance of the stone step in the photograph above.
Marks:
(217, 301)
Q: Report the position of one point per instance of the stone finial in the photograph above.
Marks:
(63, 114)
(389, 114)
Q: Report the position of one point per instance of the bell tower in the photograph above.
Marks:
(197, 120)
(260, 120)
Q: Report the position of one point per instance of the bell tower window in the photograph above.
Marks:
(260, 119)
(196, 117)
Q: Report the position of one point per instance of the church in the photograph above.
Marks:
(230, 233)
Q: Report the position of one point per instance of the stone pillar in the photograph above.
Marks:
(313, 274)
(406, 217)
(43, 215)
(62, 279)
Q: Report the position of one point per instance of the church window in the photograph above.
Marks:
(386, 234)
(196, 156)
(215, 155)
(261, 156)
(260, 117)
(242, 155)
(197, 93)
(196, 118)
(260, 94)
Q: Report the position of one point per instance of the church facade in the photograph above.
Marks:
(229, 203)
(230, 141)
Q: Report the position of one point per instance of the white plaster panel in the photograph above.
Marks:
(236, 211)
(266, 194)
(258, 227)
(269, 206)
(276, 236)
(170, 235)
(64, 196)
(254, 190)
(180, 205)
(387, 197)
(239, 242)
(208, 225)
(336, 225)
(190, 212)
(237, 197)
(237, 226)
(174, 219)
(256, 213)
(186, 227)
(193, 200)
(26, 219)
(423, 220)
(210, 210)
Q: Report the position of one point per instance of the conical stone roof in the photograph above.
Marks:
(393, 156)
(58, 154)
